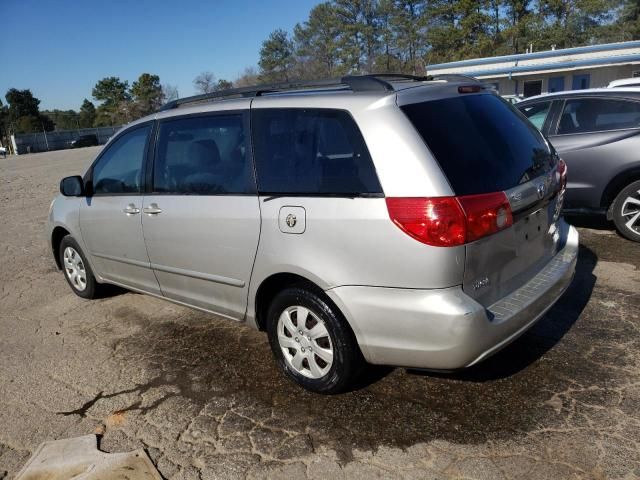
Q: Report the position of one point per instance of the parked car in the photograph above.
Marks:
(513, 99)
(625, 83)
(597, 133)
(84, 141)
(347, 220)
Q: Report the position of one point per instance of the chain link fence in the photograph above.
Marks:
(58, 140)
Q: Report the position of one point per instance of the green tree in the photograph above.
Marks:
(147, 94)
(63, 120)
(24, 114)
(115, 108)
(575, 22)
(409, 22)
(628, 25)
(276, 58)
(388, 59)
(223, 85)
(111, 91)
(359, 41)
(317, 43)
(87, 115)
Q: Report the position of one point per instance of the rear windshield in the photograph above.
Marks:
(481, 142)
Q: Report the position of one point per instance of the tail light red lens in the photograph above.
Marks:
(451, 221)
(486, 214)
(562, 170)
(435, 221)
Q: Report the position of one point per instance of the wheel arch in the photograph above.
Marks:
(57, 235)
(271, 285)
(616, 184)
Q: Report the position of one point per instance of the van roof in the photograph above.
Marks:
(377, 85)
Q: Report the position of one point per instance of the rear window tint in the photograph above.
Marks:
(584, 115)
(203, 155)
(311, 151)
(481, 142)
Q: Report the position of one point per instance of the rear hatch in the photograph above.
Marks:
(484, 145)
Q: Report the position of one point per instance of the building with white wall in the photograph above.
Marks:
(529, 74)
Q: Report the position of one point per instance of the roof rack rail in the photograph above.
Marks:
(357, 83)
(380, 82)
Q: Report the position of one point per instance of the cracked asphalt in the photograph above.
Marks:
(203, 397)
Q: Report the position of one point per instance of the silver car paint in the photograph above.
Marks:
(349, 247)
(115, 241)
(202, 248)
(445, 328)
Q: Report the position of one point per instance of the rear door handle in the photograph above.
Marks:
(152, 209)
(131, 209)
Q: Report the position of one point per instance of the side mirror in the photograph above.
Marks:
(72, 186)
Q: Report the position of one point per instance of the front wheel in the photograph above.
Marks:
(76, 269)
(626, 211)
(311, 341)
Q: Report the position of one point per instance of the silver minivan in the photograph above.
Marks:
(394, 220)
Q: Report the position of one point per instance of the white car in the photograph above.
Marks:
(625, 82)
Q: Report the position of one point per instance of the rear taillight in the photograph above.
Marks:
(562, 171)
(435, 221)
(486, 214)
(451, 221)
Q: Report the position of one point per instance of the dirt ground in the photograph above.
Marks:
(203, 397)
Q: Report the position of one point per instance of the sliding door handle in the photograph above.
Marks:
(152, 209)
(131, 209)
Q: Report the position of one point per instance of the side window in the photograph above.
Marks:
(311, 151)
(596, 115)
(203, 155)
(537, 113)
(119, 169)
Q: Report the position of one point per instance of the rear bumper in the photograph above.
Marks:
(445, 328)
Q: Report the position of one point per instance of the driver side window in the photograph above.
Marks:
(119, 169)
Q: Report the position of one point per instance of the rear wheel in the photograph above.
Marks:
(311, 342)
(626, 211)
(76, 269)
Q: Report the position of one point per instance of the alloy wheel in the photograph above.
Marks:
(630, 211)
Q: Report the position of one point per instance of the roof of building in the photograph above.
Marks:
(547, 61)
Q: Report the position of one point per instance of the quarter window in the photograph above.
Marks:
(203, 155)
(119, 168)
(537, 113)
(584, 115)
(311, 151)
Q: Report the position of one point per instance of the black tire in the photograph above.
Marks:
(632, 190)
(91, 286)
(347, 359)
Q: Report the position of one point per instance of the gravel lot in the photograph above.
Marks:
(204, 398)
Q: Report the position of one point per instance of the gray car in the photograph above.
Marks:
(597, 132)
(397, 221)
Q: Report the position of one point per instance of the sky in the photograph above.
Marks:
(60, 49)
